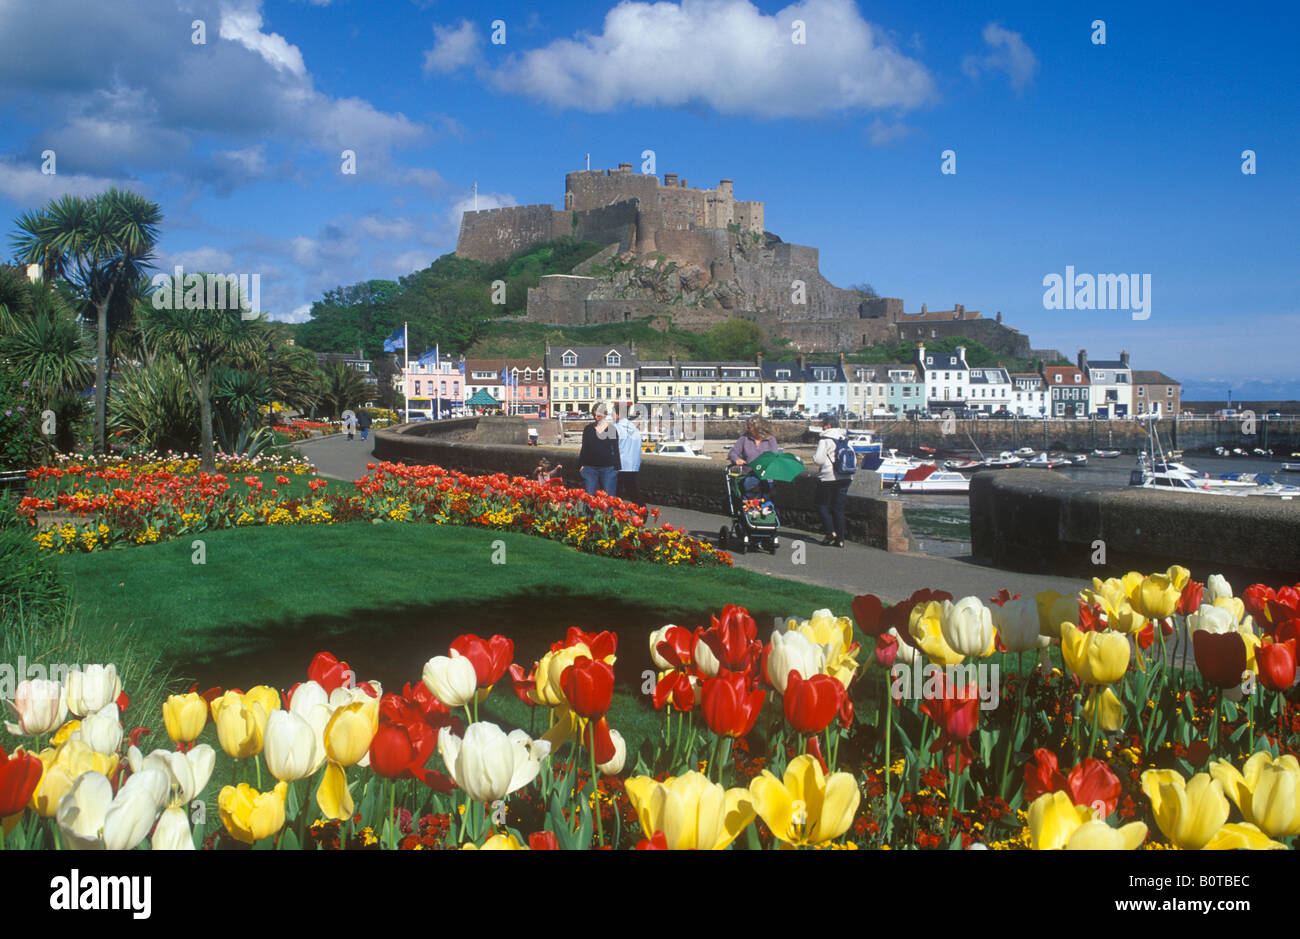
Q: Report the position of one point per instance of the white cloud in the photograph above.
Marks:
(454, 47)
(1007, 53)
(206, 258)
(30, 188)
(726, 54)
(881, 133)
(245, 27)
(300, 314)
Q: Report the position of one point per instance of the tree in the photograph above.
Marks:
(101, 245)
(200, 338)
(733, 340)
(46, 347)
(361, 316)
(865, 289)
(343, 387)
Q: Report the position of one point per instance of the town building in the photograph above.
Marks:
(826, 387)
(519, 385)
(989, 390)
(1156, 393)
(868, 389)
(580, 377)
(946, 376)
(1067, 389)
(436, 383)
(783, 387)
(716, 389)
(1110, 385)
(906, 390)
(1029, 397)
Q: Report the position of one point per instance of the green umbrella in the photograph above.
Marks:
(782, 467)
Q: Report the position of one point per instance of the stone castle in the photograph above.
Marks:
(695, 258)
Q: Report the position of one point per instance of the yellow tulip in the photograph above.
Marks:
(1158, 596)
(550, 668)
(806, 807)
(1241, 836)
(62, 767)
(835, 633)
(926, 626)
(1047, 625)
(1126, 619)
(332, 795)
(1267, 791)
(1111, 717)
(1188, 813)
(1110, 593)
(241, 720)
(1055, 823)
(1098, 658)
(1234, 605)
(65, 733)
(1132, 583)
(250, 815)
(497, 842)
(692, 812)
(350, 730)
(1178, 576)
(185, 715)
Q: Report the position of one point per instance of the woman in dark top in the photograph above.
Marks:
(598, 460)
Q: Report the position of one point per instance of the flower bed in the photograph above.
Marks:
(796, 742)
(95, 504)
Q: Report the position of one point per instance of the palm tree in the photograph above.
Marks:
(47, 347)
(200, 339)
(342, 388)
(101, 245)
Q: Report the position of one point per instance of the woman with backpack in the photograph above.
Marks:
(836, 463)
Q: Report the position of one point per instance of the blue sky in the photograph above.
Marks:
(1117, 158)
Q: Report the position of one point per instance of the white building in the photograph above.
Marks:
(1110, 392)
(1029, 396)
(946, 376)
(826, 388)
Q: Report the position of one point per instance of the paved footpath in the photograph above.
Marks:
(855, 568)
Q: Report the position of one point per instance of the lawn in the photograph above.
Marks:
(387, 597)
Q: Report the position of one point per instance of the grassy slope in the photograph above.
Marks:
(387, 597)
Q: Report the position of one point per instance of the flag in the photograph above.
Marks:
(396, 341)
(429, 358)
(460, 366)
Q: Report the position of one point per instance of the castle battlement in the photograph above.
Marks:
(506, 209)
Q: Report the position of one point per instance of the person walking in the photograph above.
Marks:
(363, 420)
(349, 422)
(598, 461)
(629, 455)
(832, 487)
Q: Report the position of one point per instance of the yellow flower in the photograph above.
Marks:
(1098, 658)
(350, 729)
(1242, 836)
(926, 627)
(62, 766)
(332, 795)
(1053, 610)
(836, 634)
(806, 807)
(497, 842)
(241, 720)
(250, 815)
(185, 715)
(1188, 813)
(692, 812)
(1267, 791)
(1111, 717)
(1055, 822)
(1158, 596)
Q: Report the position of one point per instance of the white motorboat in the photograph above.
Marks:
(1004, 460)
(864, 442)
(1105, 454)
(1145, 478)
(928, 479)
(1026, 452)
(1291, 467)
(1043, 461)
(970, 466)
(890, 466)
(1077, 459)
(678, 448)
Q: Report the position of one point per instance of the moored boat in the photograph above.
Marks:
(928, 479)
(1105, 454)
(1004, 460)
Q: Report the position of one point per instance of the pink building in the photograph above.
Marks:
(523, 390)
(431, 382)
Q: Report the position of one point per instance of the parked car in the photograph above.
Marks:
(1002, 413)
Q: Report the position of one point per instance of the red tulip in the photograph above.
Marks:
(677, 648)
(543, 841)
(589, 686)
(1255, 598)
(846, 712)
(657, 842)
(814, 750)
(730, 709)
(957, 713)
(602, 644)
(868, 613)
(598, 737)
(404, 742)
(1190, 599)
(1220, 657)
(20, 774)
(1090, 617)
(1003, 596)
(1277, 664)
(330, 673)
(1092, 781)
(677, 686)
(523, 684)
(810, 705)
(733, 639)
(886, 649)
(1042, 775)
(491, 657)
(1146, 635)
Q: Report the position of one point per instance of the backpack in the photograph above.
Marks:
(846, 460)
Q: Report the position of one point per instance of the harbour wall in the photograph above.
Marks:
(1039, 522)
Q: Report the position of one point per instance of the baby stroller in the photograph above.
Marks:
(754, 522)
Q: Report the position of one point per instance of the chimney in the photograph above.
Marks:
(961, 354)
(999, 317)
(959, 308)
(672, 358)
(1123, 359)
(802, 362)
(922, 308)
(632, 346)
(670, 179)
(1083, 360)
(683, 183)
(625, 166)
(758, 357)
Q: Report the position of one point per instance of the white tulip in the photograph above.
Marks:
(39, 705)
(490, 764)
(793, 651)
(82, 811)
(1017, 623)
(1216, 586)
(905, 652)
(1212, 619)
(190, 771)
(656, 637)
(153, 782)
(134, 812)
(173, 832)
(293, 747)
(451, 679)
(967, 626)
(92, 688)
(615, 764)
(102, 730)
(306, 696)
(705, 660)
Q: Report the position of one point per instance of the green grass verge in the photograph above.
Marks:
(387, 597)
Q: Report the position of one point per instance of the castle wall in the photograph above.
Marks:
(593, 189)
(697, 248)
(492, 234)
(559, 298)
(987, 332)
(605, 225)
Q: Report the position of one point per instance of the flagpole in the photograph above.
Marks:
(406, 370)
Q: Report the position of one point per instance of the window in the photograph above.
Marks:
(1058, 379)
(1078, 379)
(569, 359)
(1169, 391)
(613, 358)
